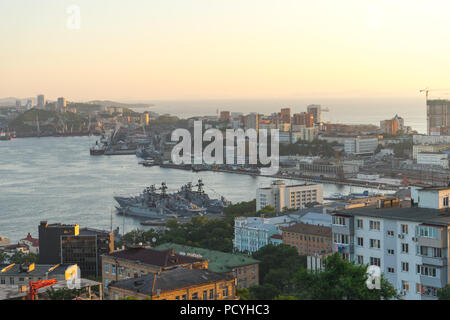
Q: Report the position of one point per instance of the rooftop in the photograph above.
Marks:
(305, 228)
(170, 280)
(218, 261)
(160, 258)
(34, 241)
(40, 270)
(416, 214)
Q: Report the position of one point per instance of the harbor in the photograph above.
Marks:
(63, 182)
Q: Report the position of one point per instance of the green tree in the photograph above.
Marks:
(278, 264)
(340, 280)
(444, 293)
(21, 258)
(63, 294)
(3, 257)
(264, 292)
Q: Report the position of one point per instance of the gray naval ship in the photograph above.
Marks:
(155, 203)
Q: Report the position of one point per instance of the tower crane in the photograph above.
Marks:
(427, 90)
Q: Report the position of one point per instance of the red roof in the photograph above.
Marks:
(34, 242)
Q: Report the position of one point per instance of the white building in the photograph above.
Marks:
(253, 233)
(433, 159)
(280, 196)
(409, 244)
(360, 145)
(418, 148)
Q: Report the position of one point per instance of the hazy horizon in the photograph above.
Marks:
(213, 49)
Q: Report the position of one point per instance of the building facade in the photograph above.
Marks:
(176, 284)
(308, 239)
(139, 261)
(409, 244)
(282, 196)
(360, 145)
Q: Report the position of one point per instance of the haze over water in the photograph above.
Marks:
(347, 111)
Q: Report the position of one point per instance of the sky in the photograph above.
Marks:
(223, 49)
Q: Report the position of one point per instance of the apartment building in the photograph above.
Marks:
(408, 243)
(308, 239)
(177, 284)
(282, 196)
(139, 261)
(253, 233)
(244, 268)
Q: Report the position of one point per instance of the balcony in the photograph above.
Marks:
(434, 261)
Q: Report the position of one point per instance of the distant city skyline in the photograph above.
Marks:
(156, 50)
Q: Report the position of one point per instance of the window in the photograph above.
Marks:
(2, 280)
(120, 271)
(359, 224)
(106, 268)
(391, 270)
(405, 266)
(390, 233)
(211, 294)
(113, 269)
(183, 297)
(374, 225)
(426, 271)
(404, 228)
(375, 261)
(405, 285)
(106, 282)
(225, 291)
(360, 259)
(426, 232)
(360, 242)
(445, 202)
(195, 296)
(340, 238)
(205, 295)
(374, 243)
(390, 251)
(339, 220)
(405, 248)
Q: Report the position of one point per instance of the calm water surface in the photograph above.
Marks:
(55, 179)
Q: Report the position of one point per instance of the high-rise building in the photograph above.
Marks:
(303, 119)
(252, 121)
(68, 244)
(18, 104)
(225, 116)
(285, 115)
(438, 116)
(40, 101)
(62, 104)
(316, 111)
(392, 126)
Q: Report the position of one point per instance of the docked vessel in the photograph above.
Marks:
(97, 150)
(5, 136)
(156, 203)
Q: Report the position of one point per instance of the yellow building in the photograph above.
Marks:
(176, 284)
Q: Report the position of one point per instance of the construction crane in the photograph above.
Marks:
(34, 286)
(427, 90)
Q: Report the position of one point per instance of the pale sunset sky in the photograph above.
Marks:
(207, 49)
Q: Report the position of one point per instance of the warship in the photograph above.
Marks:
(157, 203)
